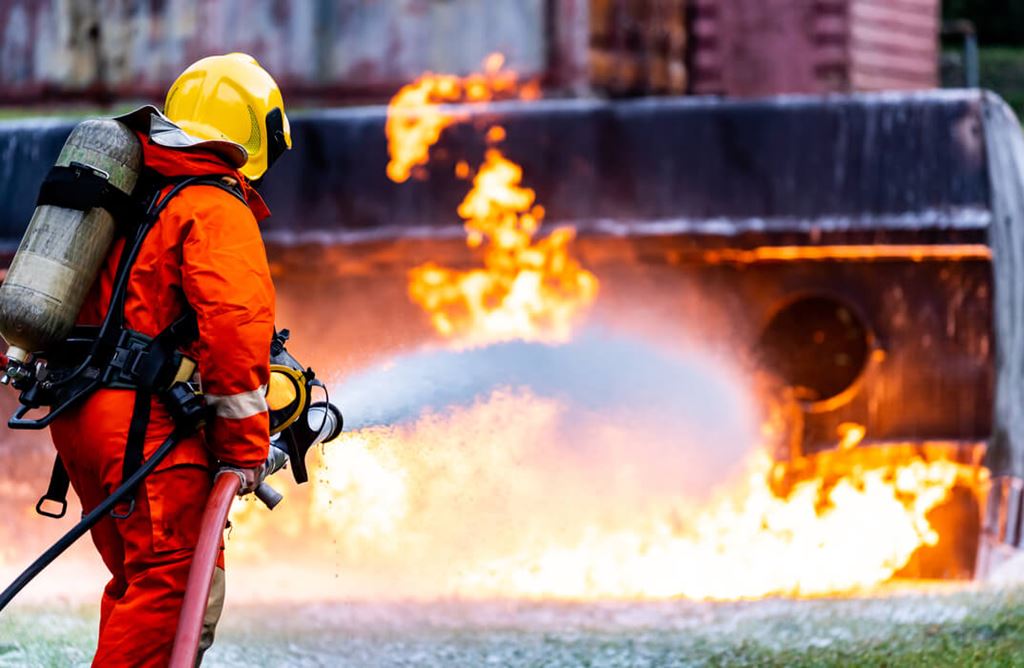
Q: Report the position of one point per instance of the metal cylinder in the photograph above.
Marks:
(327, 419)
(268, 495)
(277, 456)
(63, 249)
(1002, 533)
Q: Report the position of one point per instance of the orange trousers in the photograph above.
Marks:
(149, 553)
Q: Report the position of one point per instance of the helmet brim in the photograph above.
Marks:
(149, 120)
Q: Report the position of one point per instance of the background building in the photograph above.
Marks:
(361, 50)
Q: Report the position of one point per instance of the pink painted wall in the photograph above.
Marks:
(763, 47)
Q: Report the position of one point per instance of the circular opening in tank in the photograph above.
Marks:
(817, 345)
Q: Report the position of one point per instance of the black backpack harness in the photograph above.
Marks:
(112, 355)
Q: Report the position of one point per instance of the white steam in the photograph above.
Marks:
(681, 412)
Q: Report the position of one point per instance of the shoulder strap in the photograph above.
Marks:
(134, 448)
(219, 182)
(114, 320)
(80, 187)
(183, 329)
(56, 491)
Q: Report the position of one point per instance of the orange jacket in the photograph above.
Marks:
(205, 252)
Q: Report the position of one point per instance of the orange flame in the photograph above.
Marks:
(415, 122)
(749, 544)
(416, 119)
(483, 502)
(850, 435)
(528, 289)
(486, 500)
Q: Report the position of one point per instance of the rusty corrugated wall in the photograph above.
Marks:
(894, 44)
(116, 49)
(764, 47)
(362, 50)
(699, 189)
(638, 46)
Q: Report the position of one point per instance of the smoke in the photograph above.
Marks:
(597, 371)
(454, 460)
(684, 411)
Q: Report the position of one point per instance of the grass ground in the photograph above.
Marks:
(981, 628)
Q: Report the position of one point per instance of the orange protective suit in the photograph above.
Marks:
(204, 252)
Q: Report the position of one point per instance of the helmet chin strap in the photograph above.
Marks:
(277, 146)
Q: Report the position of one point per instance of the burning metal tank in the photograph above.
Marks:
(859, 251)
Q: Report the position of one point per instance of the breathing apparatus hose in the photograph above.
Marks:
(200, 575)
(89, 520)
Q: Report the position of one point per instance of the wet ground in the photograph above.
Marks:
(939, 626)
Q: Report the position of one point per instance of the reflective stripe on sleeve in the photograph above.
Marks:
(239, 406)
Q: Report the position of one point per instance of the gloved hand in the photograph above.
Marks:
(250, 478)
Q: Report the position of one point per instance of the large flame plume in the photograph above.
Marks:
(416, 117)
(749, 543)
(522, 494)
(528, 289)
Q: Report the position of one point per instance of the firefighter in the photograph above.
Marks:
(223, 118)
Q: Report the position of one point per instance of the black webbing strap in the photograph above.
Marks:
(235, 190)
(134, 453)
(155, 376)
(56, 492)
(182, 331)
(150, 362)
(81, 188)
(167, 341)
(157, 372)
(161, 363)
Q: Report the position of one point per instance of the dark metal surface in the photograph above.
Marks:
(868, 162)
(1005, 149)
(672, 179)
(882, 166)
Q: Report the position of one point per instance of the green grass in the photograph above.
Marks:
(47, 637)
(992, 639)
(984, 628)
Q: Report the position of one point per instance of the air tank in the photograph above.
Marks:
(63, 249)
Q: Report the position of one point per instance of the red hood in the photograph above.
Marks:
(183, 162)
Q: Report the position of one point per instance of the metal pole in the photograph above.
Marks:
(972, 73)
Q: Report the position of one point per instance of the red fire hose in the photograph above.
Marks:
(200, 577)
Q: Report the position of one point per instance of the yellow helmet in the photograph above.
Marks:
(232, 98)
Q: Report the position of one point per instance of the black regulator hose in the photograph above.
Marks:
(88, 521)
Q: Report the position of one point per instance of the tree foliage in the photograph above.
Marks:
(998, 22)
